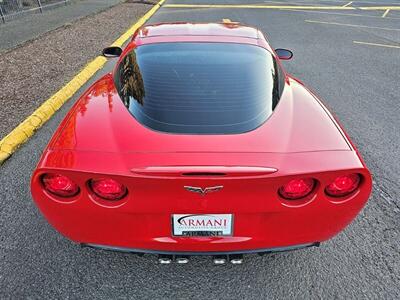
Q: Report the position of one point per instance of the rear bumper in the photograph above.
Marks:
(279, 229)
(262, 221)
(189, 253)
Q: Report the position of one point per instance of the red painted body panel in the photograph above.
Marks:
(299, 124)
(198, 29)
(100, 137)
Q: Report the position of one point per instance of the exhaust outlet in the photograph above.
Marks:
(219, 259)
(164, 259)
(236, 259)
(182, 260)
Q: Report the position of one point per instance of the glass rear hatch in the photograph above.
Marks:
(200, 88)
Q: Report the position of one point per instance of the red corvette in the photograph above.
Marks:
(200, 143)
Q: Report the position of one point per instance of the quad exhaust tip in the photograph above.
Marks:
(167, 259)
(182, 260)
(219, 260)
(235, 259)
(164, 259)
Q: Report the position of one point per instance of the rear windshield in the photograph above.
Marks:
(199, 88)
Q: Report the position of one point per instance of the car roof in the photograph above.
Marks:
(227, 28)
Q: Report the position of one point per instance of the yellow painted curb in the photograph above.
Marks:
(123, 38)
(20, 134)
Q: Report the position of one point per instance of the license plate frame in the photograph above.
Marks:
(202, 225)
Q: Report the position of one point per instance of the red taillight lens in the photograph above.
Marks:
(60, 185)
(343, 185)
(108, 188)
(297, 188)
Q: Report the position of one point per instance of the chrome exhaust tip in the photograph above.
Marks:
(164, 259)
(182, 260)
(219, 260)
(236, 259)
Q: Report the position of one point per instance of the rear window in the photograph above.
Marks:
(199, 88)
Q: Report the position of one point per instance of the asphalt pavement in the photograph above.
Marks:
(352, 60)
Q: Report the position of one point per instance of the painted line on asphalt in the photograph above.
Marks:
(336, 13)
(385, 13)
(274, 2)
(257, 6)
(380, 7)
(358, 1)
(378, 45)
(352, 25)
(348, 4)
(262, 6)
(27, 128)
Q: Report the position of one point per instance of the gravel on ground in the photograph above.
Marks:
(34, 71)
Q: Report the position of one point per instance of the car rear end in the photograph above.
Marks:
(265, 209)
(219, 155)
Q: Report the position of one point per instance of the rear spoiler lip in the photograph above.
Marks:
(204, 171)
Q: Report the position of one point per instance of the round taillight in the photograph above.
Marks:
(60, 185)
(297, 188)
(343, 185)
(108, 189)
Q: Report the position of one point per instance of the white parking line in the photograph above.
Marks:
(352, 25)
(348, 4)
(374, 44)
(337, 13)
(385, 13)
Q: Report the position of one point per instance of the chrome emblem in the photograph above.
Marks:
(201, 191)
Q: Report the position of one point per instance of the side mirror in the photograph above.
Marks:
(284, 54)
(112, 51)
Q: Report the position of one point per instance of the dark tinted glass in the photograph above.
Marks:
(199, 88)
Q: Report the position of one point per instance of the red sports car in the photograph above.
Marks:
(200, 143)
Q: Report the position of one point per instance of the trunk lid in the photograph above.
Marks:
(101, 122)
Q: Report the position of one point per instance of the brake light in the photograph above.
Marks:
(108, 189)
(343, 185)
(60, 185)
(297, 188)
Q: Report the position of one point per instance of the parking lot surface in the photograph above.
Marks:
(351, 59)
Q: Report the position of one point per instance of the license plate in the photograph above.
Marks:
(202, 225)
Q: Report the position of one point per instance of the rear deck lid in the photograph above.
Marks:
(100, 122)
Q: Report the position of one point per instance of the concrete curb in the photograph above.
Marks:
(20, 134)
